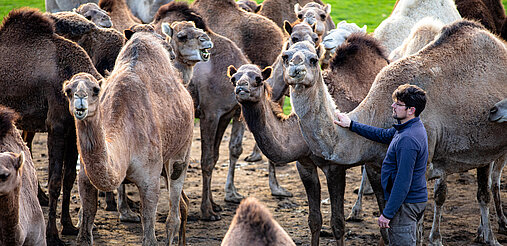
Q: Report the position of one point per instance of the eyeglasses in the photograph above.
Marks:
(399, 105)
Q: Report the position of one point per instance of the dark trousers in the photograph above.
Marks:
(403, 226)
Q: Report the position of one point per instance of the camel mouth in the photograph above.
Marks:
(204, 54)
(80, 113)
(297, 74)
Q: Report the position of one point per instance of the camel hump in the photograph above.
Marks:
(455, 28)
(31, 20)
(251, 212)
(7, 118)
(353, 44)
(182, 8)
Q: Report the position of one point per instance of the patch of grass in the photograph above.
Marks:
(6, 6)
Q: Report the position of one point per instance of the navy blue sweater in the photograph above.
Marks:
(404, 167)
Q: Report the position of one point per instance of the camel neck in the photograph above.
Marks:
(186, 71)
(9, 217)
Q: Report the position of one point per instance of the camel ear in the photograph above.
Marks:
(364, 28)
(128, 33)
(287, 27)
(266, 73)
(297, 8)
(231, 70)
(258, 8)
(327, 9)
(20, 159)
(320, 51)
(166, 29)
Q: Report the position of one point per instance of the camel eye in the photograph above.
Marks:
(96, 91)
(258, 80)
(314, 61)
(181, 37)
(323, 16)
(4, 176)
(295, 40)
(285, 58)
(300, 16)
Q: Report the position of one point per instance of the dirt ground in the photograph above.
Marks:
(459, 223)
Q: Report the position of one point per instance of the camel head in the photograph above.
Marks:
(338, 35)
(301, 64)
(10, 171)
(150, 30)
(314, 13)
(190, 44)
(249, 81)
(82, 91)
(300, 32)
(249, 6)
(95, 14)
(498, 113)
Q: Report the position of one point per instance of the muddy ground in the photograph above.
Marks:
(458, 227)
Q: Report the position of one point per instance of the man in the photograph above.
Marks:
(404, 167)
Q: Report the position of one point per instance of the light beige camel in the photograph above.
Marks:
(473, 85)
(21, 218)
(254, 225)
(316, 14)
(120, 14)
(54, 6)
(136, 112)
(283, 10)
(93, 13)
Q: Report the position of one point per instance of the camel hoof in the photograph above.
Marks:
(216, 208)
(323, 233)
(234, 198)
(70, 230)
(281, 192)
(132, 218)
(211, 217)
(253, 157)
(54, 241)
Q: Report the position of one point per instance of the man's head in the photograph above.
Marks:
(409, 102)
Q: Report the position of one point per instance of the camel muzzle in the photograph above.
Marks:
(80, 107)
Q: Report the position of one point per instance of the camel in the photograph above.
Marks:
(393, 30)
(335, 38)
(422, 33)
(358, 64)
(490, 13)
(120, 14)
(318, 14)
(21, 218)
(428, 69)
(247, 30)
(53, 6)
(93, 13)
(254, 225)
(249, 5)
(144, 63)
(28, 44)
(145, 10)
(280, 11)
(498, 113)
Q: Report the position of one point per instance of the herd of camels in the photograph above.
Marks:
(118, 83)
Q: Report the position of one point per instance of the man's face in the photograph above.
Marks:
(399, 110)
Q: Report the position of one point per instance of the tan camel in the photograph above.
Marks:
(280, 11)
(21, 218)
(318, 14)
(248, 30)
(93, 13)
(474, 85)
(120, 14)
(53, 6)
(498, 113)
(254, 225)
(160, 103)
(32, 80)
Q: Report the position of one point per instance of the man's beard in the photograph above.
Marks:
(396, 117)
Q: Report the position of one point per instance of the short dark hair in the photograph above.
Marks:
(412, 96)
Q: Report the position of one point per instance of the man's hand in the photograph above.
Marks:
(383, 222)
(343, 120)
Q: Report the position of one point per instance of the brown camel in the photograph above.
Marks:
(498, 113)
(21, 218)
(318, 14)
(214, 103)
(258, 37)
(249, 5)
(161, 104)
(265, 119)
(254, 225)
(35, 62)
(280, 11)
(93, 13)
(120, 14)
(473, 85)
(490, 13)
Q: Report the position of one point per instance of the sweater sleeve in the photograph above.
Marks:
(406, 155)
(376, 134)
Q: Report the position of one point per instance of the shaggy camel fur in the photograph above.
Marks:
(161, 104)
(254, 225)
(498, 113)
(490, 13)
(318, 14)
(249, 5)
(393, 30)
(423, 32)
(93, 13)
(474, 85)
(53, 6)
(21, 218)
(265, 119)
(257, 36)
(280, 11)
(214, 103)
(145, 10)
(35, 62)
(120, 14)
(102, 44)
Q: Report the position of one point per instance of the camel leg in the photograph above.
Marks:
(440, 195)
(373, 172)
(149, 193)
(56, 150)
(177, 179)
(89, 197)
(496, 175)
(484, 232)
(335, 176)
(355, 213)
(184, 203)
(235, 150)
(310, 178)
(70, 161)
(276, 189)
(209, 126)
(126, 214)
(111, 204)
(41, 195)
(255, 155)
